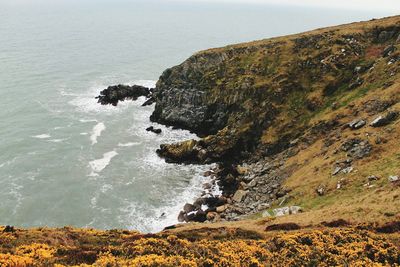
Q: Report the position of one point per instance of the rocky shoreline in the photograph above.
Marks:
(257, 106)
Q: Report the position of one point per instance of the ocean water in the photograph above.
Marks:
(66, 160)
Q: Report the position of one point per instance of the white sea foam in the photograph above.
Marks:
(96, 132)
(150, 219)
(83, 133)
(99, 164)
(128, 144)
(42, 136)
(145, 83)
(87, 120)
(57, 140)
(105, 188)
(93, 201)
(15, 192)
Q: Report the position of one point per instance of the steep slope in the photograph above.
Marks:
(265, 93)
(289, 119)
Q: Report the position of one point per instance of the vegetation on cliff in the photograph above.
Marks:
(264, 94)
(307, 120)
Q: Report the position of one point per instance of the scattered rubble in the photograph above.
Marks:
(282, 211)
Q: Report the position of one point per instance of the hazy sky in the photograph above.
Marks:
(387, 5)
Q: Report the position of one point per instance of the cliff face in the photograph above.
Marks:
(183, 98)
(264, 94)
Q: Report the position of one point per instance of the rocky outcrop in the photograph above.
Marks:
(262, 95)
(116, 93)
(256, 105)
(183, 96)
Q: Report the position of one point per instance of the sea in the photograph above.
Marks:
(66, 160)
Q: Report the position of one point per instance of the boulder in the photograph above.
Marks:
(181, 216)
(336, 170)
(222, 208)
(199, 202)
(188, 208)
(347, 170)
(357, 124)
(199, 216)
(394, 178)
(242, 170)
(384, 120)
(213, 217)
(239, 195)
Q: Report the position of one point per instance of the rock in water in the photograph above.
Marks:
(116, 93)
(154, 130)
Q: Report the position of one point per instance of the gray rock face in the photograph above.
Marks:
(388, 50)
(357, 148)
(394, 178)
(183, 99)
(385, 36)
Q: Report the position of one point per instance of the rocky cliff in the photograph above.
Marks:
(264, 94)
(300, 120)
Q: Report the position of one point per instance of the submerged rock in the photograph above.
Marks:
(120, 92)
